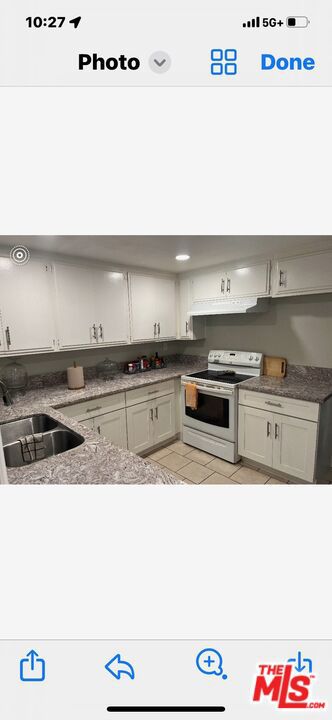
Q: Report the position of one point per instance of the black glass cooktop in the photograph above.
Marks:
(231, 378)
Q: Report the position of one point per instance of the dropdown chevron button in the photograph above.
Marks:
(160, 62)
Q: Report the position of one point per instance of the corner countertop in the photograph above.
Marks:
(312, 384)
(96, 461)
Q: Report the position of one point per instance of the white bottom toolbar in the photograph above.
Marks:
(85, 680)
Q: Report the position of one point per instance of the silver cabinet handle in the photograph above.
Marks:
(101, 332)
(268, 431)
(99, 407)
(222, 286)
(228, 285)
(187, 327)
(158, 329)
(282, 279)
(269, 402)
(155, 330)
(276, 431)
(8, 338)
(151, 414)
(94, 334)
(156, 413)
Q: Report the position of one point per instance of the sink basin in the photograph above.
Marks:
(16, 429)
(51, 438)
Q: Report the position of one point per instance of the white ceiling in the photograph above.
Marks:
(158, 253)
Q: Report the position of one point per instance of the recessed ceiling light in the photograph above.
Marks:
(182, 258)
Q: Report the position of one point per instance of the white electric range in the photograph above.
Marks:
(212, 427)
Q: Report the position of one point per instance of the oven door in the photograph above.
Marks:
(215, 412)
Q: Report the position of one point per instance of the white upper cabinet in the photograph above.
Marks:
(75, 306)
(153, 308)
(303, 275)
(189, 328)
(92, 306)
(208, 285)
(112, 312)
(26, 307)
(248, 281)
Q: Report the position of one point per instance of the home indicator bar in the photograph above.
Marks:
(166, 708)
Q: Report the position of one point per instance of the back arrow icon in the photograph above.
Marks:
(118, 667)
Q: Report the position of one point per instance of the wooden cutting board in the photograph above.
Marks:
(275, 366)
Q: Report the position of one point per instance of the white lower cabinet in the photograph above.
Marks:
(137, 420)
(255, 438)
(112, 427)
(279, 441)
(151, 423)
(164, 419)
(88, 423)
(294, 449)
(140, 427)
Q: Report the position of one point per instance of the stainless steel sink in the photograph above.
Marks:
(16, 429)
(35, 438)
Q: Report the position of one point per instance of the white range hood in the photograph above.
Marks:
(229, 306)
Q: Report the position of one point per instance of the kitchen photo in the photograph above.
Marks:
(166, 360)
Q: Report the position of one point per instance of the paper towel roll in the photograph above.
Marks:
(75, 378)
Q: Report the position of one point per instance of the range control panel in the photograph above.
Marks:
(235, 357)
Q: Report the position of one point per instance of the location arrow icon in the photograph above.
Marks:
(118, 667)
(76, 21)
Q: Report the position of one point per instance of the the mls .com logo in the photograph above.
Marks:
(288, 685)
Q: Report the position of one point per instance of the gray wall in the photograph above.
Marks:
(52, 362)
(298, 328)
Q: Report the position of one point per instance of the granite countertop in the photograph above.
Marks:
(312, 384)
(96, 461)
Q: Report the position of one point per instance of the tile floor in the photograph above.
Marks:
(199, 468)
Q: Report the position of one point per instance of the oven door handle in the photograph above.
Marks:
(212, 391)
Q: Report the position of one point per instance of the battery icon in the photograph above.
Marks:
(297, 21)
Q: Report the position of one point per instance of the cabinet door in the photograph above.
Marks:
(185, 322)
(255, 434)
(294, 446)
(190, 328)
(304, 275)
(166, 308)
(164, 419)
(113, 427)
(26, 305)
(153, 305)
(75, 300)
(140, 427)
(89, 423)
(111, 302)
(247, 281)
(209, 285)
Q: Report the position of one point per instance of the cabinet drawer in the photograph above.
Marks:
(284, 406)
(133, 397)
(96, 406)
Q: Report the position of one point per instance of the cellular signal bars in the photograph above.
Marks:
(254, 23)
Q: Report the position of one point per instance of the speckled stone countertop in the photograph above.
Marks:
(302, 382)
(96, 461)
